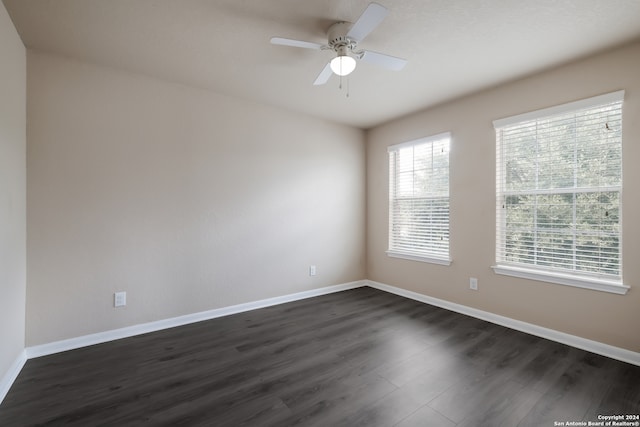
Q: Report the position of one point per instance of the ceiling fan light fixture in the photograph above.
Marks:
(343, 64)
(343, 39)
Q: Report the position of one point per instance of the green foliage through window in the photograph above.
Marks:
(559, 182)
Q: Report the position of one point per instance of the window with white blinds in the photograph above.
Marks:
(419, 199)
(559, 185)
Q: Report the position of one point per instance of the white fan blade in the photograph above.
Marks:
(386, 61)
(295, 43)
(370, 19)
(324, 75)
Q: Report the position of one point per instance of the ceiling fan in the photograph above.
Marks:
(343, 39)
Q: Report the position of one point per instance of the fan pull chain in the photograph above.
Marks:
(340, 86)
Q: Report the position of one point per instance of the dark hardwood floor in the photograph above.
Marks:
(356, 358)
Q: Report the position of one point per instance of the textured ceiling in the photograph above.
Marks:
(454, 47)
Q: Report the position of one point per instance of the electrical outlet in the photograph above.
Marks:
(312, 270)
(473, 283)
(119, 299)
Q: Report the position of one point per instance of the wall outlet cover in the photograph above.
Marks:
(119, 299)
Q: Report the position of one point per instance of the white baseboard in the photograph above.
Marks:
(101, 337)
(7, 380)
(617, 353)
(87, 340)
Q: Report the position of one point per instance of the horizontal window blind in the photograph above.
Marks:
(419, 198)
(559, 183)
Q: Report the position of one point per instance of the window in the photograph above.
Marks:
(559, 183)
(419, 200)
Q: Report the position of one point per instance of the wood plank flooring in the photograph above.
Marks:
(356, 358)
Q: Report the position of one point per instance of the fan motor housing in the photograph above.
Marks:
(337, 34)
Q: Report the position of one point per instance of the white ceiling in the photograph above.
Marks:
(454, 47)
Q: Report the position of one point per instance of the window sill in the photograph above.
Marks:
(603, 285)
(421, 258)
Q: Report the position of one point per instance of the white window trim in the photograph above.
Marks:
(419, 141)
(414, 257)
(597, 284)
(594, 283)
(431, 259)
(559, 109)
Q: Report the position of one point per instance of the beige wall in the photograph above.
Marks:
(12, 193)
(189, 200)
(185, 199)
(604, 317)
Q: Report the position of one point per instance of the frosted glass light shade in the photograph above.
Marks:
(343, 65)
